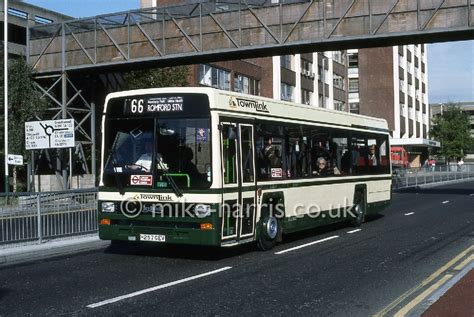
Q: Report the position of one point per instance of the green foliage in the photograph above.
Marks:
(25, 103)
(452, 129)
(156, 78)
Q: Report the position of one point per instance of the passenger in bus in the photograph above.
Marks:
(373, 156)
(186, 164)
(319, 150)
(346, 167)
(322, 168)
(271, 154)
(292, 160)
(335, 158)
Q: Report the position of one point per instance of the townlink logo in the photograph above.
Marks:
(249, 104)
(158, 197)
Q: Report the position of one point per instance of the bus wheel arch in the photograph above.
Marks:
(359, 208)
(272, 213)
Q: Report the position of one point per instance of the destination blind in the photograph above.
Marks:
(162, 105)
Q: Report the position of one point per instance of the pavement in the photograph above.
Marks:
(449, 291)
(416, 259)
(49, 249)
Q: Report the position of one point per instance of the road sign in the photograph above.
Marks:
(15, 159)
(49, 134)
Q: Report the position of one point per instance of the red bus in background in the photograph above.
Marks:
(399, 156)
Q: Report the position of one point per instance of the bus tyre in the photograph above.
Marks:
(358, 210)
(270, 230)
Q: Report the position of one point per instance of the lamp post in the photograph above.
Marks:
(5, 87)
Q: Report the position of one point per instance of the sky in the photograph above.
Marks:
(450, 65)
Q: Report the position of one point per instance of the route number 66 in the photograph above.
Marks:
(136, 106)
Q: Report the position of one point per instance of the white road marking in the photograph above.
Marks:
(354, 231)
(471, 195)
(152, 289)
(306, 245)
(445, 202)
(409, 213)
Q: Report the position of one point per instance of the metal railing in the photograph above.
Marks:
(410, 177)
(40, 216)
(239, 28)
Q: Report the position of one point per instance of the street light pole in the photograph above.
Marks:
(5, 87)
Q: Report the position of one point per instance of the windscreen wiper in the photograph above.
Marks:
(170, 180)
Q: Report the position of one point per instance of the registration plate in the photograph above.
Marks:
(153, 237)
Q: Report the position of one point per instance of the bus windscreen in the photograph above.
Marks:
(155, 149)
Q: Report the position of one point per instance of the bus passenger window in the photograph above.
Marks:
(229, 152)
(247, 153)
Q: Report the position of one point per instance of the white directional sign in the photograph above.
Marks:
(15, 159)
(49, 134)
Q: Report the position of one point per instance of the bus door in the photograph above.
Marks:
(238, 172)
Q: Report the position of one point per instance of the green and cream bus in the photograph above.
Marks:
(203, 166)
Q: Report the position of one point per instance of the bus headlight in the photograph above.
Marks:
(202, 211)
(108, 206)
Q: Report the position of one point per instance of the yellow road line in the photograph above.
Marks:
(422, 296)
(464, 263)
(433, 276)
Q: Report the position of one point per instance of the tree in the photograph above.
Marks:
(452, 129)
(25, 104)
(156, 78)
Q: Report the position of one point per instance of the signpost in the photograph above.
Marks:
(49, 134)
(15, 159)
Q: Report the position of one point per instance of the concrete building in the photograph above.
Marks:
(314, 79)
(318, 79)
(21, 16)
(437, 109)
(392, 83)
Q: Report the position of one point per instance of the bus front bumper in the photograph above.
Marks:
(157, 234)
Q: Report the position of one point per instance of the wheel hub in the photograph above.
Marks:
(272, 227)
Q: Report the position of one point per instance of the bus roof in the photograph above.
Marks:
(262, 107)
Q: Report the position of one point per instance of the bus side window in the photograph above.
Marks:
(229, 153)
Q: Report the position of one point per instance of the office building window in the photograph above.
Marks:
(353, 85)
(285, 61)
(338, 81)
(307, 66)
(339, 105)
(287, 92)
(323, 102)
(353, 60)
(354, 107)
(214, 77)
(246, 85)
(306, 96)
(338, 56)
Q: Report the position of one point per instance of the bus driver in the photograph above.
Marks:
(144, 161)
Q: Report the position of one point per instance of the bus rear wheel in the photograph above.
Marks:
(270, 229)
(359, 210)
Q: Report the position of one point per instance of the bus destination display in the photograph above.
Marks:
(153, 105)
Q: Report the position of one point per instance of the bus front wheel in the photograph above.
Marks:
(270, 229)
